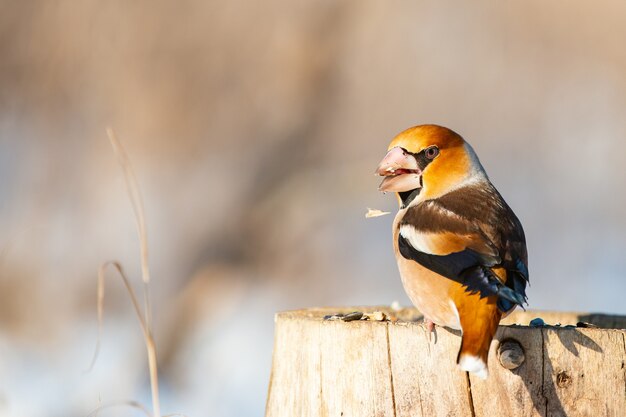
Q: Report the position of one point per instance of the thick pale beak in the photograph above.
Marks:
(400, 171)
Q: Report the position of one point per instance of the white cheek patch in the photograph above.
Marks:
(419, 241)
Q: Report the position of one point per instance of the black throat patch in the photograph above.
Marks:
(408, 196)
(422, 163)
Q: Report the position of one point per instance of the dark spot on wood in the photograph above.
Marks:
(563, 380)
(511, 354)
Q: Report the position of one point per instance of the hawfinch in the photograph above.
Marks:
(460, 248)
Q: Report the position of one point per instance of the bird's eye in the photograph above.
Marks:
(431, 152)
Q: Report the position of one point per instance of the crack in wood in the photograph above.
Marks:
(470, 396)
(543, 372)
(393, 394)
(624, 356)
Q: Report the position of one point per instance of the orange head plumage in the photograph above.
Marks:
(427, 161)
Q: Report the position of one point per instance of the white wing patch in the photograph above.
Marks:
(418, 240)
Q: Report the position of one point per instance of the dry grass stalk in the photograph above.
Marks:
(100, 303)
(144, 317)
(137, 204)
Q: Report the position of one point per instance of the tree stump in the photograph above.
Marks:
(390, 368)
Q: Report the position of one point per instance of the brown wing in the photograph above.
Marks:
(472, 236)
(483, 206)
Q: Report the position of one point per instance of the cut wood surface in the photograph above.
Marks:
(390, 368)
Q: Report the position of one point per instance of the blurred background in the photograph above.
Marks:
(254, 129)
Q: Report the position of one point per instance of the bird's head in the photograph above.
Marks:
(427, 161)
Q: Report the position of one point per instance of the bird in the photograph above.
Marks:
(460, 249)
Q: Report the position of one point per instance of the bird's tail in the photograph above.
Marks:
(479, 323)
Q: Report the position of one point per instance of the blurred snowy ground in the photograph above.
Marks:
(254, 129)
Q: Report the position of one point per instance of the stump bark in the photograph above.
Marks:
(390, 368)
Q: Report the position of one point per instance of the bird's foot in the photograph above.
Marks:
(430, 328)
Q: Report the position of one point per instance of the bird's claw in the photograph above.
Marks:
(430, 328)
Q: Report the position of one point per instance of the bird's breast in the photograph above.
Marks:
(431, 293)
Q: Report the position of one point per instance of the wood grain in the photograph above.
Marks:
(390, 368)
